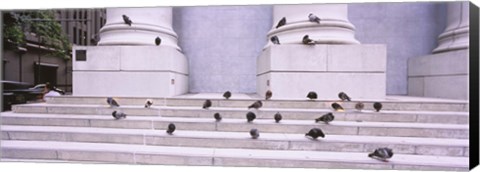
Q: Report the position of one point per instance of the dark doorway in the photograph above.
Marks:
(45, 73)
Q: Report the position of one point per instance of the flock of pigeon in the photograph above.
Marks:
(380, 153)
(306, 39)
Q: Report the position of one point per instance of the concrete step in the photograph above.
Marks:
(218, 101)
(167, 155)
(265, 125)
(216, 139)
(444, 117)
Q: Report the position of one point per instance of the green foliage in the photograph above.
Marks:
(43, 24)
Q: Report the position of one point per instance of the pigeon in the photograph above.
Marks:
(118, 115)
(282, 22)
(313, 18)
(127, 20)
(328, 117)
(254, 133)
(312, 95)
(275, 40)
(148, 103)
(158, 41)
(343, 96)
(268, 95)
(381, 154)
(277, 117)
(217, 116)
(227, 95)
(315, 133)
(112, 102)
(337, 107)
(171, 128)
(377, 106)
(359, 106)
(207, 104)
(251, 116)
(306, 40)
(257, 104)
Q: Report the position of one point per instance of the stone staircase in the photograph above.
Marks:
(425, 134)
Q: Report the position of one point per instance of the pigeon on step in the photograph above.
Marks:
(382, 154)
(257, 104)
(127, 20)
(275, 40)
(112, 102)
(254, 133)
(328, 117)
(217, 116)
(313, 18)
(377, 106)
(315, 133)
(359, 106)
(251, 116)
(312, 95)
(343, 96)
(306, 40)
(277, 117)
(148, 103)
(158, 41)
(337, 107)
(207, 104)
(119, 115)
(268, 95)
(227, 95)
(171, 128)
(282, 22)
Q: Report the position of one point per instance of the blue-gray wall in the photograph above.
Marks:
(222, 43)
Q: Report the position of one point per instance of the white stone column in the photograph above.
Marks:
(334, 27)
(147, 24)
(456, 34)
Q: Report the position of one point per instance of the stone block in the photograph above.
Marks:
(319, 145)
(172, 159)
(163, 125)
(360, 58)
(443, 119)
(96, 156)
(439, 150)
(99, 58)
(29, 109)
(454, 87)
(415, 132)
(416, 86)
(45, 121)
(246, 143)
(72, 110)
(5, 135)
(150, 58)
(466, 152)
(447, 63)
(105, 138)
(14, 153)
(398, 148)
(38, 136)
(112, 123)
(427, 168)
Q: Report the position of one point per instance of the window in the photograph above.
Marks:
(74, 35)
(84, 38)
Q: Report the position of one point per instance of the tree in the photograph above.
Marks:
(42, 24)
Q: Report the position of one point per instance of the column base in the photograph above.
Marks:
(291, 71)
(130, 71)
(442, 75)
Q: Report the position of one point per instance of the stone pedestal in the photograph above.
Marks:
(456, 34)
(130, 71)
(127, 62)
(291, 71)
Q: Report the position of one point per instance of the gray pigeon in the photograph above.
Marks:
(158, 41)
(127, 20)
(312, 95)
(254, 133)
(359, 106)
(217, 116)
(306, 40)
(268, 95)
(377, 106)
(327, 118)
(282, 22)
(275, 40)
(119, 115)
(207, 104)
(277, 117)
(112, 102)
(337, 107)
(382, 154)
(343, 96)
(171, 128)
(251, 116)
(148, 103)
(257, 104)
(227, 95)
(315, 133)
(313, 18)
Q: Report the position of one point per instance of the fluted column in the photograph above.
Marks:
(334, 27)
(456, 34)
(147, 24)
